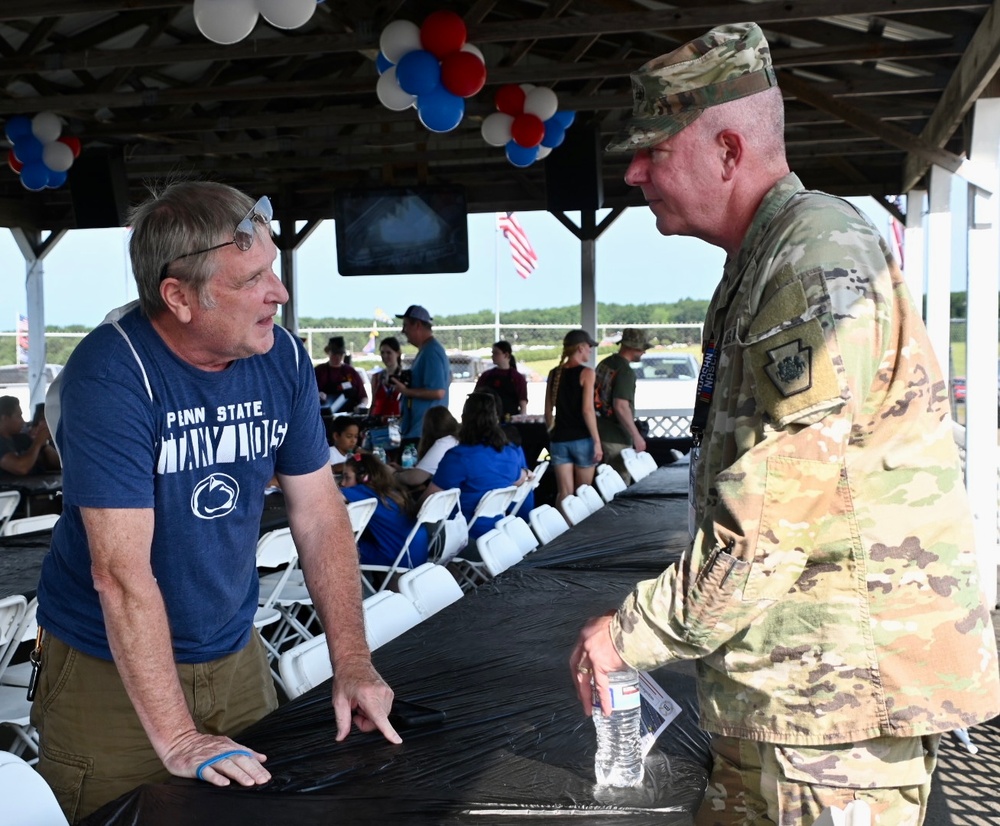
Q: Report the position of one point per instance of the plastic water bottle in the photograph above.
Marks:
(379, 453)
(619, 751)
(409, 456)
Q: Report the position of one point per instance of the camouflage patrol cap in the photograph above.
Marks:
(671, 91)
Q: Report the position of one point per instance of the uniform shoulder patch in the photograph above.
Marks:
(794, 372)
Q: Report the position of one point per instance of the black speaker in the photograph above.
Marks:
(99, 188)
(573, 171)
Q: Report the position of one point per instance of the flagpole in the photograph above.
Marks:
(496, 281)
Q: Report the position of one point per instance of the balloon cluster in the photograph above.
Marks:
(430, 67)
(38, 154)
(527, 123)
(229, 21)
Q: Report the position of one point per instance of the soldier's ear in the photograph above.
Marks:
(729, 148)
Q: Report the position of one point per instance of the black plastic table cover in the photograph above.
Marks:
(21, 562)
(514, 744)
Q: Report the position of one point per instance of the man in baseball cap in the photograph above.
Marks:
(614, 400)
(430, 375)
(827, 665)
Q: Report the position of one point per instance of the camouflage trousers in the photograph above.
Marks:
(764, 784)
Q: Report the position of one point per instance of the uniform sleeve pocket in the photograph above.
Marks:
(712, 595)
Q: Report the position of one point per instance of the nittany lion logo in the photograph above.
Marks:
(215, 496)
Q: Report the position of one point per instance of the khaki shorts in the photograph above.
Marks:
(763, 784)
(93, 748)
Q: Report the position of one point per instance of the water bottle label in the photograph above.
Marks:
(623, 697)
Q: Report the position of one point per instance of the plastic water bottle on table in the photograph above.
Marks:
(409, 458)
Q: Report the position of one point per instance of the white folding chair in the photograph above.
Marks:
(499, 551)
(27, 798)
(361, 513)
(437, 507)
(590, 497)
(519, 530)
(493, 503)
(527, 486)
(430, 588)
(19, 674)
(647, 460)
(608, 482)
(280, 591)
(453, 537)
(387, 615)
(635, 466)
(29, 524)
(15, 709)
(305, 666)
(9, 500)
(574, 509)
(547, 523)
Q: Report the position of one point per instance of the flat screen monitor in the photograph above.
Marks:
(398, 230)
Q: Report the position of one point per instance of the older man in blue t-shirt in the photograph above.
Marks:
(173, 417)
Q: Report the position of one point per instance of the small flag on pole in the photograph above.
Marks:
(521, 250)
(22, 339)
(370, 346)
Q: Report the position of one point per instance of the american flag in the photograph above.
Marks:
(521, 250)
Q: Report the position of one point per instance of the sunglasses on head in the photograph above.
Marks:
(243, 235)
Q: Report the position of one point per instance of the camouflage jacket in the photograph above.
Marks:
(831, 592)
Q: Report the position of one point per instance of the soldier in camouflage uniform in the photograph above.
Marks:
(830, 595)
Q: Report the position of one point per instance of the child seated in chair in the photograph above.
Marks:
(365, 477)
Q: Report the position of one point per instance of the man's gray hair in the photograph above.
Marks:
(179, 219)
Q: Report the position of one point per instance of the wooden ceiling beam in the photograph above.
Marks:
(252, 48)
(975, 70)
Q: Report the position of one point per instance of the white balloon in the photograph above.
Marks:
(526, 87)
(225, 21)
(496, 128)
(541, 101)
(390, 94)
(468, 47)
(46, 126)
(286, 14)
(543, 152)
(57, 156)
(398, 38)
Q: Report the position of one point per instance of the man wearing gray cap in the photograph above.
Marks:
(830, 594)
(614, 400)
(430, 375)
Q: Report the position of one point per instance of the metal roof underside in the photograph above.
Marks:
(874, 94)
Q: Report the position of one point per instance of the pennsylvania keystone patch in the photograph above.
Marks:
(790, 368)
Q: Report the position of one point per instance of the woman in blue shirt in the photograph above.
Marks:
(365, 477)
(483, 460)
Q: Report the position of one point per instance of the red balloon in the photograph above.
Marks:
(527, 130)
(13, 162)
(510, 99)
(73, 143)
(463, 74)
(442, 32)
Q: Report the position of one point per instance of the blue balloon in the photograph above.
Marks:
(56, 179)
(35, 176)
(521, 155)
(564, 119)
(28, 149)
(439, 110)
(382, 63)
(16, 128)
(555, 133)
(418, 72)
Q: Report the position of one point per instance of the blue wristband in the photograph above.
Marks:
(217, 758)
